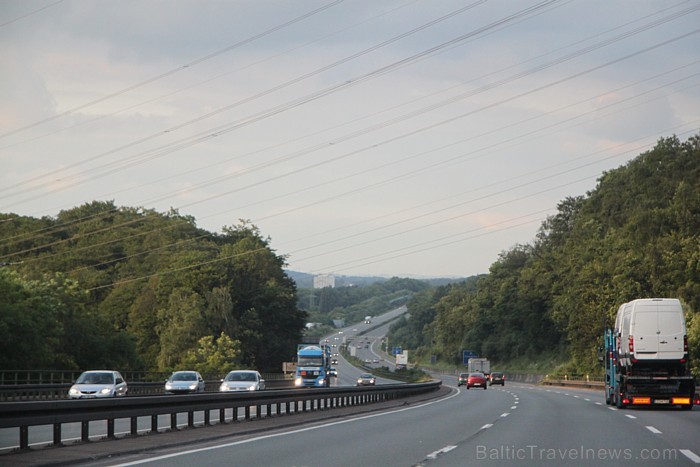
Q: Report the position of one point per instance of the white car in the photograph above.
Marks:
(242, 380)
(184, 382)
(98, 383)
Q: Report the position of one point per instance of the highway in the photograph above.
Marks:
(347, 376)
(519, 424)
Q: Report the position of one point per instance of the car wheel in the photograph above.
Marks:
(485, 387)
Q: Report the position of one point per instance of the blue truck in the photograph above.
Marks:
(646, 356)
(313, 366)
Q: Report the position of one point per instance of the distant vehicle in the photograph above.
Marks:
(497, 377)
(334, 361)
(333, 372)
(479, 365)
(184, 382)
(368, 319)
(367, 360)
(98, 383)
(376, 360)
(366, 379)
(462, 379)
(476, 380)
(313, 366)
(242, 380)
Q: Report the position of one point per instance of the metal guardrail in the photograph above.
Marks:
(573, 381)
(22, 415)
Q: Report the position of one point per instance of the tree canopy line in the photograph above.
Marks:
(636, 235)
(135, 289)
(100, 286)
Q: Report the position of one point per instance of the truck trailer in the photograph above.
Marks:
(479, 365)
(646, 356)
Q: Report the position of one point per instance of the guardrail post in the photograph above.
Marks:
(134, 426)
(85, 431)
(222, 415)
(110, 428)
(190, 419)
(154, 423)
(207, 418)
(173, 421)
(56, 434)
(24, 437)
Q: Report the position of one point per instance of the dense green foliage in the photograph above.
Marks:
(636, 235)
(101, 286)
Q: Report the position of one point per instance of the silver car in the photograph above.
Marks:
(98, 383)
(242, 380)
(184, 382)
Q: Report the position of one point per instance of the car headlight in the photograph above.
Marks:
(251, 387)
(321, 381)
(193, 386)
(106, 391)
(73, 391)
(359, 380)
(298, 382)
(168, 386)
(223, 387)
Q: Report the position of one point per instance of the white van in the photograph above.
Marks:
(651, 329)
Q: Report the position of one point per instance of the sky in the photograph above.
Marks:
(399, 138)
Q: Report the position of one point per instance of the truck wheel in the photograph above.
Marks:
(687, 407)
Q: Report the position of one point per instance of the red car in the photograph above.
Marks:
(475, 380)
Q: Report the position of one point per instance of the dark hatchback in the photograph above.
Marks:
(497, 378)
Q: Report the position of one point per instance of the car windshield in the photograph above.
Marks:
(242, 376)
(310, 361)
(95, 378)
(184, 377)
(366, 376)
(496, 375)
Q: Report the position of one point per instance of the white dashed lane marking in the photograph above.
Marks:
(691, 455)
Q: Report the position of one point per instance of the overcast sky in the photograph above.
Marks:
(362, 136)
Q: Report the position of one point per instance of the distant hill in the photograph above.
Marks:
(306, 281)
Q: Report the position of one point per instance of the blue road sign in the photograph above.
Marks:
(467, 354)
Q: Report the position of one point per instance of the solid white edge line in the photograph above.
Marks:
(286, 433)
(487, 426)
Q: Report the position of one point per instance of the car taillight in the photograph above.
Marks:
(631, 344)
(685, 343)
